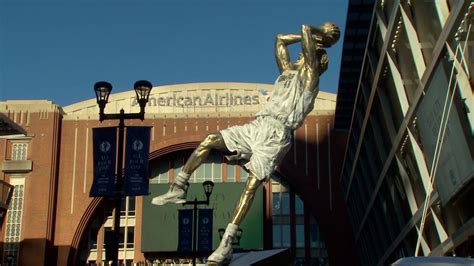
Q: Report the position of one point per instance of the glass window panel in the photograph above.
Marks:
(386, 211)
(352, 212)
(431, 233)
(406, 65)
(163, 170)
(199, 174)
(159, 172)
(300, 236)
(108, 235)
(123, 206)
(366, 16)
(350, 32)
(108, 211)
(164, 173)
(286, 239)
(314, 235)
(388, 93)
(366, 89)
(359, 208)
(231, 169)
(388, 6)
(363, 31)
(359, 188)
(213, 170)
(177, 165)
(383, 114)
(130, 237)
(353, 16)
(373, 146)
(401, 210)
(425, 19)
(377, 135)
(411, 168)
(285, 203)
(367, 178)
(217, 169)
(122, 237)
(299, 206)
(361, 249)
(468, 56)
(277, 236)
(19, 151)
(131, 206)
(360, 45)
(93, 238)
(244, 175)
(276, 204)
(207, 171)
(374, 241)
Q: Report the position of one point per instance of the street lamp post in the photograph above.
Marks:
(208, 186)
(102, 90)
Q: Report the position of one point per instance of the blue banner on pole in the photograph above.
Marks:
(205, 230)
(136, 161)
(185, 230)
(104, 153)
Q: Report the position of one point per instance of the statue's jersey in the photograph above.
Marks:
(265, 140)
(290, 101)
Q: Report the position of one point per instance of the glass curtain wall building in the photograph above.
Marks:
(407, 175)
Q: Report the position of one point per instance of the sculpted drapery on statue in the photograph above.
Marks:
(264, 141)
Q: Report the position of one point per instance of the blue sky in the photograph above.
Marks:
(57, 49)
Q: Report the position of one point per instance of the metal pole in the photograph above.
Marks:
(118, 191)
(194, 230)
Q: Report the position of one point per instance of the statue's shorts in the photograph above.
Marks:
(263, 141)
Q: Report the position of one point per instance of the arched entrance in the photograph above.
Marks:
(286, 221)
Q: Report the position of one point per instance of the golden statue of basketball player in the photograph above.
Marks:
(265, 140)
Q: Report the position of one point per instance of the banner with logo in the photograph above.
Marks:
(205, 230)
(137, 148)
(185, 230)
(104, 153)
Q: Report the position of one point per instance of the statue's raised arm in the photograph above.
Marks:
(314, 57)
(312, 61)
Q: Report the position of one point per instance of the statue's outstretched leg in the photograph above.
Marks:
(177, 191)
(223, 253)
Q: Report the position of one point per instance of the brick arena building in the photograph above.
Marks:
(53, 220)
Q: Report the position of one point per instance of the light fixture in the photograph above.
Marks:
(142, 89)
(208, 186)
(102, 91)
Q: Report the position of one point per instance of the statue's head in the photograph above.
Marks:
(332, 33)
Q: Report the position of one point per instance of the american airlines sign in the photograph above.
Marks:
(207, 100)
